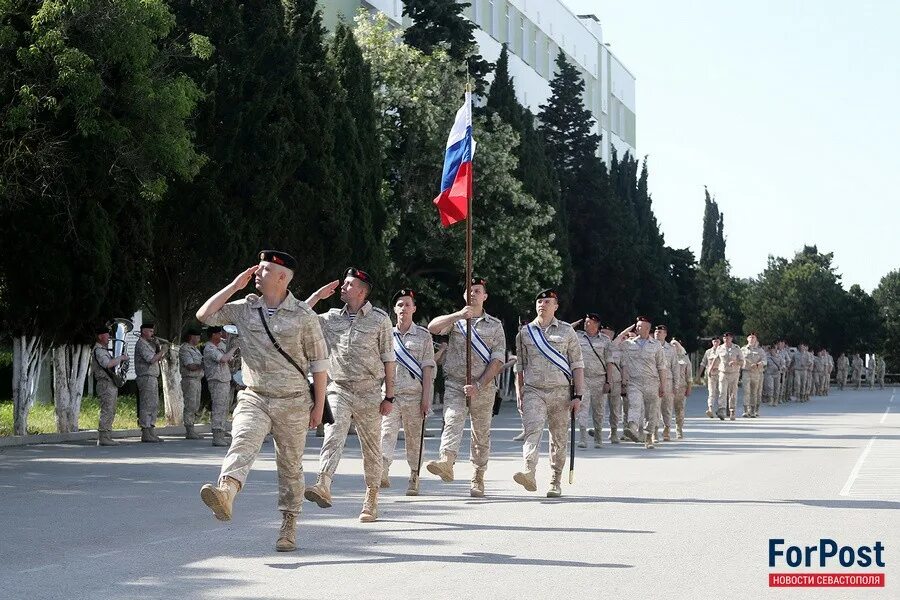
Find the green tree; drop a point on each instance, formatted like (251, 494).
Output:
(684, 307)
(887, 297)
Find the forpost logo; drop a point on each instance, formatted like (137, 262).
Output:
(827, 554)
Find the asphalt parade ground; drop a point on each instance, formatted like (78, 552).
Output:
(688, 519)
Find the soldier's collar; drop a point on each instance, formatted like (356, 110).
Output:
(289, 302)
(363, 310)
(553, 323)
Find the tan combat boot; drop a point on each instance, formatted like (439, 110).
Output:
(148, 436)
(582, 437)
(287, 537)
(190, 434)
(321, 492)
(443, 468)
(220, 498)
(667, 434)
(218, 438)
(680, 430)
(555, 490)
(476, 489)
(526, 480)
(385, 468)
(613, 437)
(413, 488)
(369, 512)
(631, 432)
(520, 437)
(648, 440)
(104, 438)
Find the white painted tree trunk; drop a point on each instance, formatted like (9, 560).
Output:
(70, 368)
(171, 384)
(28, 353)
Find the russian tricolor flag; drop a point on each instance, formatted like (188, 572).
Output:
(456, 182)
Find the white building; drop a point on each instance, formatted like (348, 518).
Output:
(535, 31)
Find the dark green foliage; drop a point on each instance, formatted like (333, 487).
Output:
(887, 298)
(712, 248)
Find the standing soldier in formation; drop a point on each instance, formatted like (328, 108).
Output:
(730, 362)
(360, 340)
(549, 362)
(667, 402)
(413, 387)
(147, 354)
(880, 371)
(857, 366)
(595, 350)
(810, 375)
(216, 361)
(643, 373)
(190, 362)
(277, 398)
(107, 391)
(829, 367)
(802, 365)
(755, 360)
(681, 376)
(476, 400)
(870, 371)
(843, 368)
(770, 376)
(614, 376)
(710, 365)
(820, 370)
(780, 355)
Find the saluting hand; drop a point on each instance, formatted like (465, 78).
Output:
(327, 290)
(243, 280)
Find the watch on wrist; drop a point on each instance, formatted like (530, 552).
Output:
(577, 396)
(389, 399)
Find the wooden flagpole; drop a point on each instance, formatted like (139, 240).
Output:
(469, 251)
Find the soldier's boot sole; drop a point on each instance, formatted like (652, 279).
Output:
(317, 496)
(709, 413)
(435, 468)
(554, 492)
(212, 497)
(631, 435)
(525, 481)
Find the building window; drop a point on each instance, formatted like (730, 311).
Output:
(489, 18)
(534, 46)
(521, 39)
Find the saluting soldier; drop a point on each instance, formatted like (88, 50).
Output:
(276, 398)
(614, 376)
(731, 360)
(710, 365)
(413, 388)
(595, 350)
(107, 392)
(681, 377)
(643, 374)
(216, 359)
(362, 357)
(147, 354)
(190, 360)
(550, 365)
(755, 360)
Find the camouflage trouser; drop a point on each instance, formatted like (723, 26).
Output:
(728, 386)
(667, 404)
(768, 387)
(800, 384)
(857, 378)
(614, 399)
(752, 390)
(842, 377)
(359, 401)
(778, 387)
(220, 399)
(190, 389)
(788, 385)
(593, 404)
(407, 411)
(288, 420)
(108, 393)
(644, 403)
(148, 400)
(678, 405)
(712, 385)
(540, 407)
(810, 379)
(480, 411)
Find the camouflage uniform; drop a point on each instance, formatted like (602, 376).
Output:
(616, 406)
(147, 382)
(276, 399)
(788, 387)
(190, 381)
(408, 403)
(829, 368)
(681, 376)
(755, 361)
(107, 391)
(818, 374)
(481, 406)
(729, 374)
(810, 377)
(595, 351)
(218, 378)
(880, 371)
(711, 366)
(546, 394)
(857, 367)
(770, 378)
(359, 347)
(843, 367)
(667, 402)
(802, 364)
(644, 361)
(870, 371)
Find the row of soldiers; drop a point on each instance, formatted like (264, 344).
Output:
(854, 369)
(213, 362)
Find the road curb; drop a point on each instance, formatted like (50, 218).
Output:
(91, 435)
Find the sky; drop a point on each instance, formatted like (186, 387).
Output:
(789, 111)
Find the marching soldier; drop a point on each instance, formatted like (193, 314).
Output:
(843, 368)
(802, 366)
(281, 341)
(755, 361)
(147, 354)
(475, 400)
(711, 365)
(413, 387)
(809, 373)
(644, 370)
(770, 375)
(789, 354)
(549, 362)
(190, 361)
(595, 350)
(730, 363)
(857, 367)
(216, 359)
(667, 402)
(880, 371)
(362, 358)
(818, 373)
(107, 391)
(778, 357)
(681, 376)
(870, 371)
(829, 367)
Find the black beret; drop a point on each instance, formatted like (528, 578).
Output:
(361, 275)
(548, 293)
(192, 331)
(608, 327)
(401, 293)
(727, 334)
(279, 258)
(642, 318)
(101, 329)
(214, 329)
(147, 326)
(479, 281)
(593, 317)
(661, 328)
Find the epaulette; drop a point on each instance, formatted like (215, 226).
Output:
(380, 311)
(425, 329)
(251, 297)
